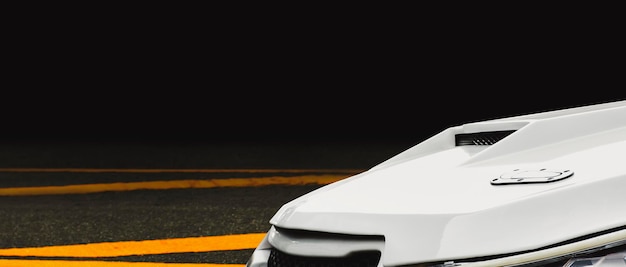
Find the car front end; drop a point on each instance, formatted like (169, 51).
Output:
(545, 189)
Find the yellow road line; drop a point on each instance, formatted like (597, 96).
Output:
(176, 184)
(144, 247)
(92, 170)
(64, 263)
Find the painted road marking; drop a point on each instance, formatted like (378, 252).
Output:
(64, 263)
(144, 247)
(176, 184)
(88, 170)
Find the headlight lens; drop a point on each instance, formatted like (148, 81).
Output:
(607, 250)
(617, 259)
(606, 256)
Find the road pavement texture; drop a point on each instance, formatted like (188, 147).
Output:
(126, 204)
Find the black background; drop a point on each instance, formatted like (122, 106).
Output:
(354, 85)
(209, 79)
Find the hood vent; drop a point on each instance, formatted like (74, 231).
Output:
(480, 138)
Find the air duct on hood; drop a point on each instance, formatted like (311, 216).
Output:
(480, 138)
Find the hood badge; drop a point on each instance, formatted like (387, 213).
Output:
(530, 176)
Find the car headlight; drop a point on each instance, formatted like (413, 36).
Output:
(604, 250)
(617, 259)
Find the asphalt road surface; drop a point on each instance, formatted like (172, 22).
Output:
(130, 204)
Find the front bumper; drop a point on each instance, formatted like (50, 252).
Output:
(283, 247)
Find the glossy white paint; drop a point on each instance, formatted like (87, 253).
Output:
(435, 201)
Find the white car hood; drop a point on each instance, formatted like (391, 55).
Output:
(436, 201)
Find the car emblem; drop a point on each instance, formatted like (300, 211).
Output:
(528, 176)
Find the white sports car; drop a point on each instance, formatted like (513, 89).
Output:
(545, 189)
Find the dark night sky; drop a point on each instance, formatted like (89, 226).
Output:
(322, 100)
(270, 83)
(295, 115)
